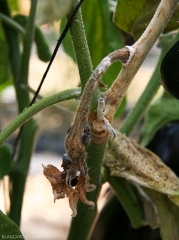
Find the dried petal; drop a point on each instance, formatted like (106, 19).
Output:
(62, 188)
(81, 188)
(73, 200)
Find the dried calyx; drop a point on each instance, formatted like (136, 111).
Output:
(74, 188)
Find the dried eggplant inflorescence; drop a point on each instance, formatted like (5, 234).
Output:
(74, 191)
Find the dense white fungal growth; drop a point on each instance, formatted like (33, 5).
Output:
(132, 52)
(105, 63)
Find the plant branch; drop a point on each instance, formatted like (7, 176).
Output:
(117, 91)
(9, 21)
(127, 198)
(127, 128)
(80, 46)
(135, 115)
(37, 107)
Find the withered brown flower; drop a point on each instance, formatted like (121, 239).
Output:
(74, 191)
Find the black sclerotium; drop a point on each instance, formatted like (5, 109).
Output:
(66, 161)
(70, 127)
(86, 138)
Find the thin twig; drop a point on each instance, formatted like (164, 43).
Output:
(62, 109)
(37, 107)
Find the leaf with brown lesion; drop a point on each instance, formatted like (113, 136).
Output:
(62, 189)
(125, 158)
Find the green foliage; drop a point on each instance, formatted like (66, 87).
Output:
(5, 84)
(127, 197)
(43, 49)
(5, 160)
(14, 5)
(134, 16)
(121, 108)
(4, 50)
(168, 215)
(168, 107)
(8, 229)
(102, 35)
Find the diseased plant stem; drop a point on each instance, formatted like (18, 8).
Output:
(149, 92)
(95, 152)
(80, 46)
(142, 47)
(128, 126)
(112, 97)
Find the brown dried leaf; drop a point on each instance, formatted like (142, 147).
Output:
(125, 158)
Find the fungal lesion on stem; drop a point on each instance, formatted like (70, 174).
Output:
(102, 124)
(73, 180)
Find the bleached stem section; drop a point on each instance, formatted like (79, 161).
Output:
(139, 51)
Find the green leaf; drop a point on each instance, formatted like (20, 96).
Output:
(8, 229)
(14, 4)
(102, 35)
(133, 16)
(173, 23)
(163, 111)
(4, 57)
(121, 108)
(5, 160)
(6, 84)
(168, 214)
(43, 49)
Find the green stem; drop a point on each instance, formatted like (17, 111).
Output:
(127, 198)
(18, 174)
(13, 24)
(146, 97)
(37, 107)
(81, 225)
(14, 51)
(95, 152)
(81, 47)
(27, 43)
